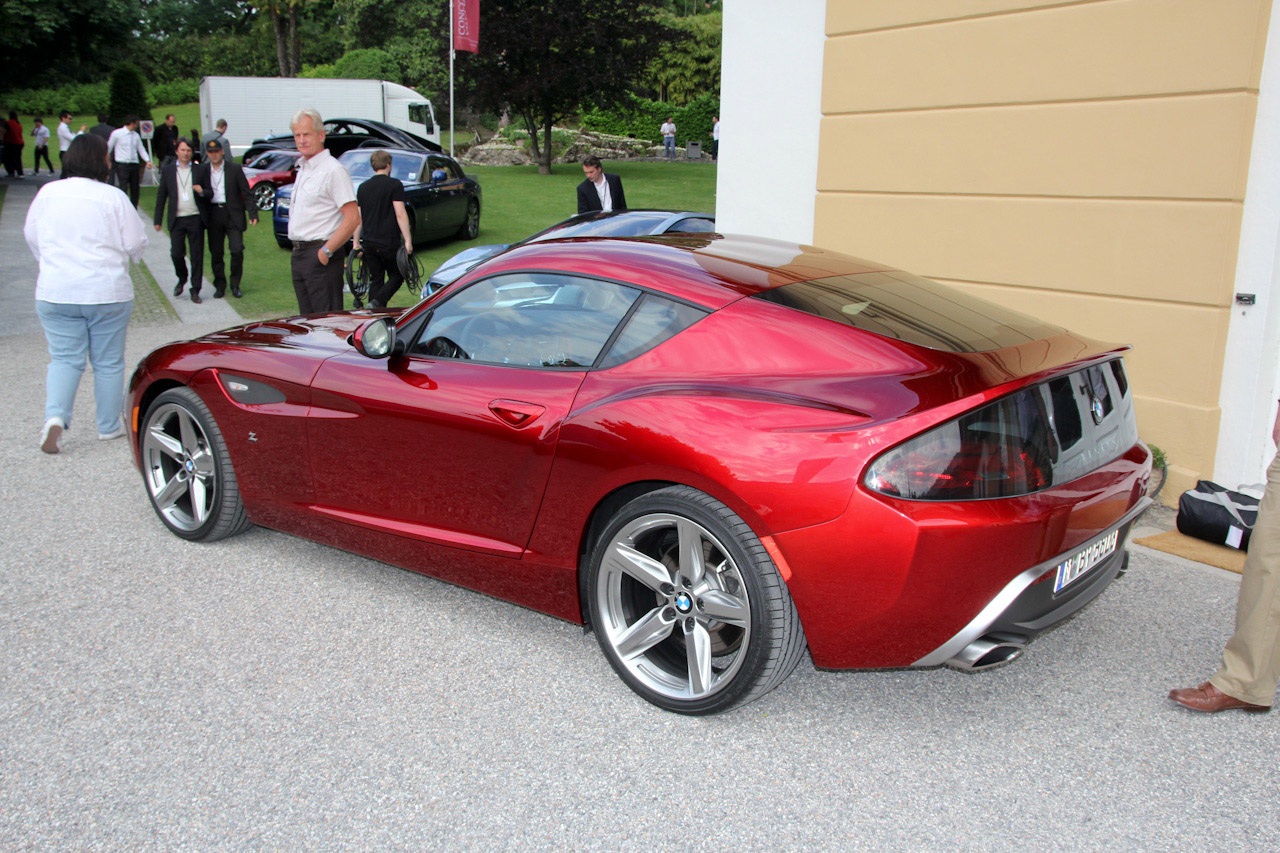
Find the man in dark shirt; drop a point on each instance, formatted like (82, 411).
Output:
(166, 139)
(102, 128)
(384, 227)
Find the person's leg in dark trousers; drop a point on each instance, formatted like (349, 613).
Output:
(218, 227)
(189, 230)
(333, 274)
(235, 241)
(318, 286)
(380, 294)
(178, 251)
(298, 269)
(42, 152)
(129, 180)
(374, 262)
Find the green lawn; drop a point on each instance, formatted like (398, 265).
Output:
(517, 202)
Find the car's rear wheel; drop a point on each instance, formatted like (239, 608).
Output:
(687, 605)
(264, 195)
(187, 470)
(471, 225)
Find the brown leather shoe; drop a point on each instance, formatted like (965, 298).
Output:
(1210, 700)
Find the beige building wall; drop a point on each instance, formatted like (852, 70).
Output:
(1080, 161)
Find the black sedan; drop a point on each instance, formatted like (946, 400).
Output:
(441, 200)
(617, 223)
(346, 134)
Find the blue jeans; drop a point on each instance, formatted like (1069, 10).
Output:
(670, 143)
(72, 331)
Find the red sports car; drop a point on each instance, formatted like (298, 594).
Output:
(715, 451)
(268, 172)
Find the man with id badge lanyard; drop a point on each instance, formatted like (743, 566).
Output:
(176, 188)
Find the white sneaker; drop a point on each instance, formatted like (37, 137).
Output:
(51, 438)
(118, 432)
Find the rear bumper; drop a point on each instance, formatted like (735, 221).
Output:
(1028, 605)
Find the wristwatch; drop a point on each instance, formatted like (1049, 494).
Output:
(326, 251)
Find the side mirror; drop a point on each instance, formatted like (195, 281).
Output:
(376, 338)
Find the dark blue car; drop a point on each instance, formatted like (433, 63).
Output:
(441, 200)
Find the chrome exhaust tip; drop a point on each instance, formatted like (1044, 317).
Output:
(989, 652)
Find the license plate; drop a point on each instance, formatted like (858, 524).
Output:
(1072, 568)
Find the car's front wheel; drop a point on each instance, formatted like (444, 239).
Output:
(187, 470)
(687, 605)
(264, 195)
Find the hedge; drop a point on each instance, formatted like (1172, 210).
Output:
(94, 98)
(643, 119)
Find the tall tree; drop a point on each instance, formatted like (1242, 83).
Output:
(165, 18)
(545, 58)
(64, 39)
(690, 66)
(284, 23)
(414, 32)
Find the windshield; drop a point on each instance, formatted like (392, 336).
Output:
(404, 166)
(271, 161)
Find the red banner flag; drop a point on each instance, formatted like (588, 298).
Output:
(466, 25)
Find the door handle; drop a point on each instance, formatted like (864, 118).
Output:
(515, 412)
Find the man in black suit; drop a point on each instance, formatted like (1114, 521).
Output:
(177, 187)
(102, 128)
(599, 191)
(223, 194)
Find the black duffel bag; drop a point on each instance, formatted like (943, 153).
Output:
(1216, 514)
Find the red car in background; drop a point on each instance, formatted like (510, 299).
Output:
(269, 171)
(717, 452)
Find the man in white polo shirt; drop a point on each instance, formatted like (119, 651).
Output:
(322, 217)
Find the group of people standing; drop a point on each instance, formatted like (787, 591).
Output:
(210, 199)
(14, 142)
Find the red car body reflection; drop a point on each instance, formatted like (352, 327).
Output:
(511, 479)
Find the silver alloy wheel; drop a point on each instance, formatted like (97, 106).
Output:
(179, 467)
(264, 195)
(675, 609)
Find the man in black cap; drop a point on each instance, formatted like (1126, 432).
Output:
(225, 204)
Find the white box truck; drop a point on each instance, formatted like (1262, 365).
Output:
(260, 106)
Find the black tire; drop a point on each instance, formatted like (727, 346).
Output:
(644, 598)
(284, 244)
(187, 470)
(471, 225)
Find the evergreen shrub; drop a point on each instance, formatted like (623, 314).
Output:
(128, 94)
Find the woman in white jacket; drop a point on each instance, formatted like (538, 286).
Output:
(84, 233)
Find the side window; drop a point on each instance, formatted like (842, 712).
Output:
(527, 319)
(693, 225)
(440, 164)
(655, 320)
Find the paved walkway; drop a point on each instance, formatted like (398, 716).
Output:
(153, 302)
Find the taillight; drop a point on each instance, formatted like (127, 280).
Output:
(998, 451)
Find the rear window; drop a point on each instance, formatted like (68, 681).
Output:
(916, 310)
